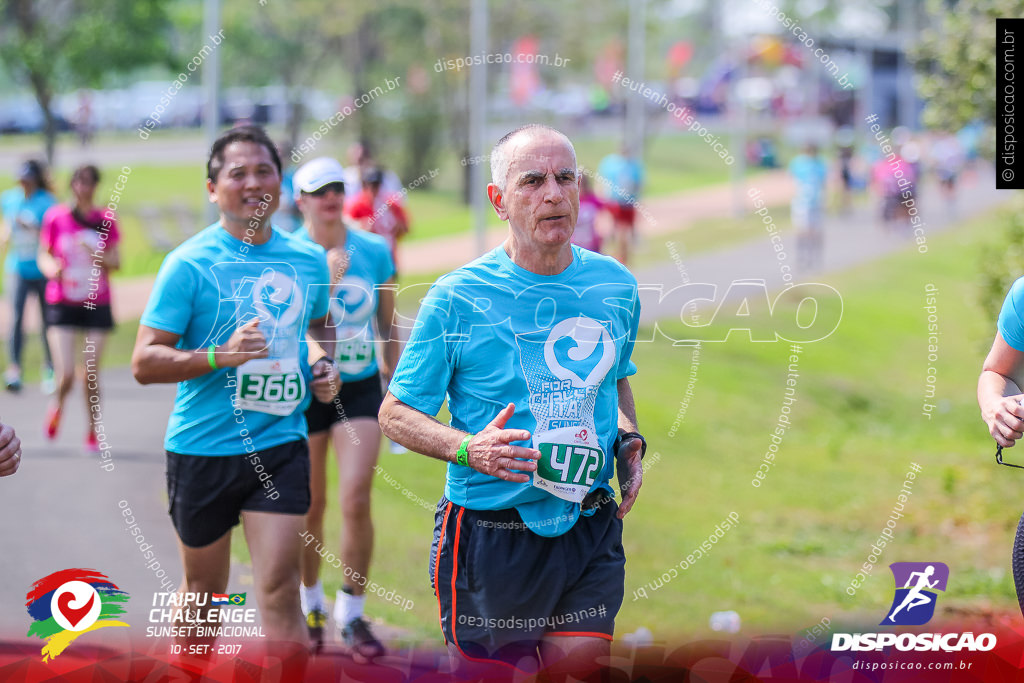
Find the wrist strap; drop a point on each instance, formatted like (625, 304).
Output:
(210, 358)
(631, 435)
(462, 456)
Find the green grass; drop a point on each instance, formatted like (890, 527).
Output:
(858, 425)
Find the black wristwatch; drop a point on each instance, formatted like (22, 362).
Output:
(326, 358)
(625, 437)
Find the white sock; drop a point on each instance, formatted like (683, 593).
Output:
(348, 607)
(312, 597)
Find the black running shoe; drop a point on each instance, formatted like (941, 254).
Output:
(360, 640)
(316, 621)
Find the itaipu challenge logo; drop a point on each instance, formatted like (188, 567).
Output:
(71, 603)
(914, 602)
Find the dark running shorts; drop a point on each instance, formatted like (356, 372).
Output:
(68, 315)
(206, 493)
(500, 587)
(361, 398)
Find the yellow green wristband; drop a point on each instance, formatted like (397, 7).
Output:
(210, 358)
(462, 457)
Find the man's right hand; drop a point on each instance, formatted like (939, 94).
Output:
(491, 451)
(245, 344)
(10, 450)
(1004, 420)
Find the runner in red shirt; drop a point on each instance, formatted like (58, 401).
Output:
(379, 211)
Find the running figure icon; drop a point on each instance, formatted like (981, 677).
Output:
(916, 597)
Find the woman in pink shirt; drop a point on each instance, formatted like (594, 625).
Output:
(78, 248)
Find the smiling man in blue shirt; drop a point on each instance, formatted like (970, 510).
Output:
(227, 321)
(531, 344)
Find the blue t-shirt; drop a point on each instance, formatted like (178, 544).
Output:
(25, 216)
(354, 304)
(810, 174)
(1011, 317)
(206, 288)
(620, 178)
(491, 333)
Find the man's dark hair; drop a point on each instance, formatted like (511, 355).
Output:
(241, 134)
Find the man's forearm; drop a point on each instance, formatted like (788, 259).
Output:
(418, 431)
(627, 409)
(993, 386)
(158, 364)
(323, 334)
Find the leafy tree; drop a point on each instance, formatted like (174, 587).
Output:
(50, 44)
(957, 59)
(958, 64)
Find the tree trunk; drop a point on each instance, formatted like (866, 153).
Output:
(294, 118)
(41, 90)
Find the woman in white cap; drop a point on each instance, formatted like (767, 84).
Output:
(362, 299)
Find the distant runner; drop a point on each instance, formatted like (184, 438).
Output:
(362, 306)
(23, 210)
(808, 205)
(78, 251)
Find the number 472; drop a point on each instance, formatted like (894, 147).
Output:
(588, 458)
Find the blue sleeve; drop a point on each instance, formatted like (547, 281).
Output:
(1011, 320)
(429, 357)
(46, 201)
(626, 366)
(170, 303)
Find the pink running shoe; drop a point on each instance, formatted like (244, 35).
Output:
(52, 422)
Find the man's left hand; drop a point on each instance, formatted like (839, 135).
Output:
(631, 473)
(326, 380)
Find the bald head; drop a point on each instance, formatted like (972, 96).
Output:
(505, 149)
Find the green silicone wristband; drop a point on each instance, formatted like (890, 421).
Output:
(209, 356)
(462, 457)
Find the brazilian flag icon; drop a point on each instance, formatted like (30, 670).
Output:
(237, 598)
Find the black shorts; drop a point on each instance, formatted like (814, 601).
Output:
(361, 398)
(500, 587)
(206, 493)
(73, 315)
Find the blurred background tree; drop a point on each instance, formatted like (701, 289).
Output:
(52, 44)
(957, 61)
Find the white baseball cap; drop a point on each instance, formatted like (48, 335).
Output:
(314, 174)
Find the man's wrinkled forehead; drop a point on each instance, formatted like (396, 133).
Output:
(542, 151)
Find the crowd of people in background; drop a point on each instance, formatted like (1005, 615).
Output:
(889, 168)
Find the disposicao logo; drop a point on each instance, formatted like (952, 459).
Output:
(913, 604)
(70, 603)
